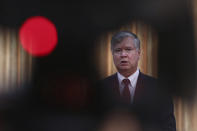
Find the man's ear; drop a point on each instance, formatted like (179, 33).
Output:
(112, 52)
(139, 52)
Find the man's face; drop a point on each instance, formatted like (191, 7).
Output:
(126, 56)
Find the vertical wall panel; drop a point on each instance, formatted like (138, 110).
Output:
(15, 63)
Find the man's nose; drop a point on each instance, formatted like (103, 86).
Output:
(123, 53)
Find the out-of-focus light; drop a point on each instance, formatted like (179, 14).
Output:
(38, 36)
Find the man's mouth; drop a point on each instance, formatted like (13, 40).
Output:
(124, 62)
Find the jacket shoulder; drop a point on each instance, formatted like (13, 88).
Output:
(146, 79)
(108, 81)
(110, 78)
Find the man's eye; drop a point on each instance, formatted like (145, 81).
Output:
(128, 49)
(118, 50)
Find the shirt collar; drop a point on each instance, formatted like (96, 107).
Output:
(132, 78)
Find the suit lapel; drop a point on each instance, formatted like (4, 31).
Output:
(115, 86)
(138, 95)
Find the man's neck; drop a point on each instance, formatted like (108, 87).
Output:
(127, 73)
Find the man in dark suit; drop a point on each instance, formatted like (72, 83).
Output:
(135, 90)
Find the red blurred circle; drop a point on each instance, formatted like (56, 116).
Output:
(38, 36)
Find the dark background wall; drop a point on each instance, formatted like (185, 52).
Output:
(79, 23)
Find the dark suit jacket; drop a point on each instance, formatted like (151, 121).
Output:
(153, 106)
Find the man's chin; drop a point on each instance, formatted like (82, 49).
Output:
(124, 68)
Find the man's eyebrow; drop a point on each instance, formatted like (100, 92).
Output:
(118, 48)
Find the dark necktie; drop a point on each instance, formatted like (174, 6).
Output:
(126, 93)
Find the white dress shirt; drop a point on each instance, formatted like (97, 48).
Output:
(133, 82)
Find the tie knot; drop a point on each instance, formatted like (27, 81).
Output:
(126, 82)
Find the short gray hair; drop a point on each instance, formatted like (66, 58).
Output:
(118, 37)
